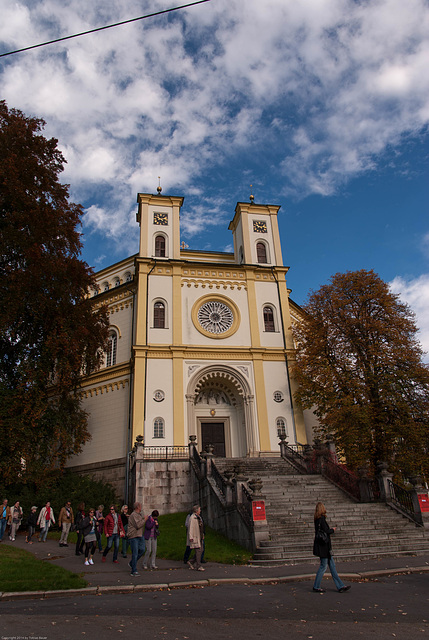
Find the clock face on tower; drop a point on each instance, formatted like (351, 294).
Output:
(260, 226)
(160, 218)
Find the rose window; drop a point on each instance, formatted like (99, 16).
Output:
(215, 317)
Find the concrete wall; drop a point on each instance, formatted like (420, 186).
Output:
(112, 471)
(163, 485)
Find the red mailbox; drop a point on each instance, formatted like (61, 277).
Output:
(258, 510)
(423, 502)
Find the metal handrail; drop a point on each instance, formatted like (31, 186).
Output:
(341, 477)
(294, 455)
(403, 500)
(165, 453)
(218, 478)
(245, 506)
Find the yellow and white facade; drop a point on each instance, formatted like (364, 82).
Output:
(201, 342)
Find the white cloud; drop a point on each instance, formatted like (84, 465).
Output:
(415, 292)
(340, 80)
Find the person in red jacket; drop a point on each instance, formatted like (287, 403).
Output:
(114, 531)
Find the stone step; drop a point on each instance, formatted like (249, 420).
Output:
(364, 531)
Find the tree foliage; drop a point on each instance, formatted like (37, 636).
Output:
(359, 366)
(49, 332)
(59, 487)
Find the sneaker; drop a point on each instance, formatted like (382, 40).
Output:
(191, 566)
(154, 567)
(145, 567)
(65, 544)
(318, 590)
(200, 569)
(86, 563)
(136, 573)
(103, 559)
(345, 588)
(91, 561)
(116, 561)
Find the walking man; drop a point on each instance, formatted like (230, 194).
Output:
(65, 521)
(114, 531)
(136, 524)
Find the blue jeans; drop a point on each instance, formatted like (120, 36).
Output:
(137, 549)
(113, 539)
(2, 527)
(44, 532)
(324, 562)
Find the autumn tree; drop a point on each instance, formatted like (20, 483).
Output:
(359, 367)
(49, 332)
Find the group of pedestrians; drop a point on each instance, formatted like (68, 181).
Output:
(13, 517)
(140, 533)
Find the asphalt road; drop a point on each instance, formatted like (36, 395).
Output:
(396, 607)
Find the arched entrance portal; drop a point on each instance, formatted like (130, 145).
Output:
(221, 412)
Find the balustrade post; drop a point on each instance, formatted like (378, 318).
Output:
(229, 487)
(192, 444)
(383, 477)
(364, 485)
(419, 495)
(319, 451)
(283, 445)
(208, 456)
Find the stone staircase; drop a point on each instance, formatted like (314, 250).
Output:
(364, 530)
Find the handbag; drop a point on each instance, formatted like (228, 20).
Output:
(321, 536)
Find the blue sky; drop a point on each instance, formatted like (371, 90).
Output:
(322, 105)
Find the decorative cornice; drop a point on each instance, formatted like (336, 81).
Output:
(213, 284)
(104, 388)
(98, 377)
(204, 353)
(119, 298)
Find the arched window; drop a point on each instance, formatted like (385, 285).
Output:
(160, 246)
(105, 286)
(261, 252)
(281, 427)
(117, 282)
(128, 277)
(111, 349)
(158, 428)
(159, 315)
(268, 319)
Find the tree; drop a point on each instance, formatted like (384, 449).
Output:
(49, 331)
(359, 366)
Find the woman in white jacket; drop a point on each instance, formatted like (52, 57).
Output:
(195, 538)
(45, 519)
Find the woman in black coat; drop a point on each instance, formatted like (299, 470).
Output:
(322, 548)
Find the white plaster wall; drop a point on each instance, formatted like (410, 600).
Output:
(122, 320)
(256, 237)
(276, 380)
(159, 376)
(192, 336)
(108, 426)
(160, 287)
(266, 293)
(148, 230)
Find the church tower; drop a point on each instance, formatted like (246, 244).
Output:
(256, 234)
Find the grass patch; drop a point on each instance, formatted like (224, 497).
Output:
(21, 571)
(172, 542)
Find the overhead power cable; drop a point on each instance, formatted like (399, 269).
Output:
(109, 26)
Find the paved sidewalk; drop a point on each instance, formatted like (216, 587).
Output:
(109, 577)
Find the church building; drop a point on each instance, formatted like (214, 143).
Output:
(200, 345)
